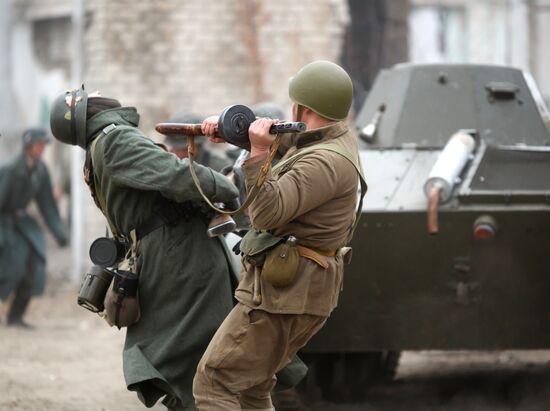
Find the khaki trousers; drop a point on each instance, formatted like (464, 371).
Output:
(237, 371)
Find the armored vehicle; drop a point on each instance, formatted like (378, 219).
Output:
(453, 248)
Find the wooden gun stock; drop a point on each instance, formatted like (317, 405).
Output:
(179, 128)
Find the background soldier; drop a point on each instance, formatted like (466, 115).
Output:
(268, 109)
(184, 276)
(22, 244)
(277, 316)
(177, 144)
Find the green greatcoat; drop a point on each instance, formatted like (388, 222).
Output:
(184, 277)
(20, 234)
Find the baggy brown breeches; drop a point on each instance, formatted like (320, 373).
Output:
(237, 371)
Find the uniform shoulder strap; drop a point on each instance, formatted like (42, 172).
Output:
(91, 178)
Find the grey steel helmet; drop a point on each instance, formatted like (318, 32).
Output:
(268, 109)
(34, 136)
(323, 87)
(68, 117)
(179, 140)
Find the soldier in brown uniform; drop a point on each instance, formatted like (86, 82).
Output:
(310, 195)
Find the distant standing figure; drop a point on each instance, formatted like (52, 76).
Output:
(23, 179)
(177, 144)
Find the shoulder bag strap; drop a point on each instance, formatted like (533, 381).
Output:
(96, 187)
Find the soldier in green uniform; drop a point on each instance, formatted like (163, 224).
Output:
(185, 281)
(307, 208)
(23, 179)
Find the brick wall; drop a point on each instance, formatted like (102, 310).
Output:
(204, 55)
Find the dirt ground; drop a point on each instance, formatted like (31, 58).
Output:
(72, 361)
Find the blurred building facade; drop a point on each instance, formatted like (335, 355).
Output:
(170, 55)
(504, 32)
(164, 56)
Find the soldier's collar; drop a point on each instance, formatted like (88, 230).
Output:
(321, 134)
(118, 115)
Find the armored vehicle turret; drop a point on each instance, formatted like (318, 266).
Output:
(452, 252)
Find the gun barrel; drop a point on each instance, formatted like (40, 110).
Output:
(288, 127)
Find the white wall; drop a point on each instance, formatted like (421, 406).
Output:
(540, 62)
(458, 31)
(508, 32)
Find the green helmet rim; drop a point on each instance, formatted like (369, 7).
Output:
(324, 87)
(68, 121)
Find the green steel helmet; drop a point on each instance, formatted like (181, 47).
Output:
(68, 117)
(268, 109)
(323, 87)
(179, 140)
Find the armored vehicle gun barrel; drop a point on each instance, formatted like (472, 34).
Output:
(368, 132)
(445, 173)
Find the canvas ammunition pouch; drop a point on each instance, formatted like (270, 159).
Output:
(278, 257)
(121, 302)
(255, 245)
(281, 263)
(112, 292)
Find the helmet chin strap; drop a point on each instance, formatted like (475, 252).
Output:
(299, 112)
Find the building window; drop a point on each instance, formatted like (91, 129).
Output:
(52, 42)
(438, 34)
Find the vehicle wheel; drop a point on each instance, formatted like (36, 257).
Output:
(346, 377)
(390, 364)
(318, 378)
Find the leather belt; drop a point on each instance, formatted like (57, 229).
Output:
(148, 226)
(318, 256)
(166, 214)
(326, 253)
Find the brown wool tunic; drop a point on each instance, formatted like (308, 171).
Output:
(313, 199)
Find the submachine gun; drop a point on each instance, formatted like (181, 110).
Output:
(233, 125)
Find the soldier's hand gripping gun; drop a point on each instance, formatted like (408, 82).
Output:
(233, 125)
